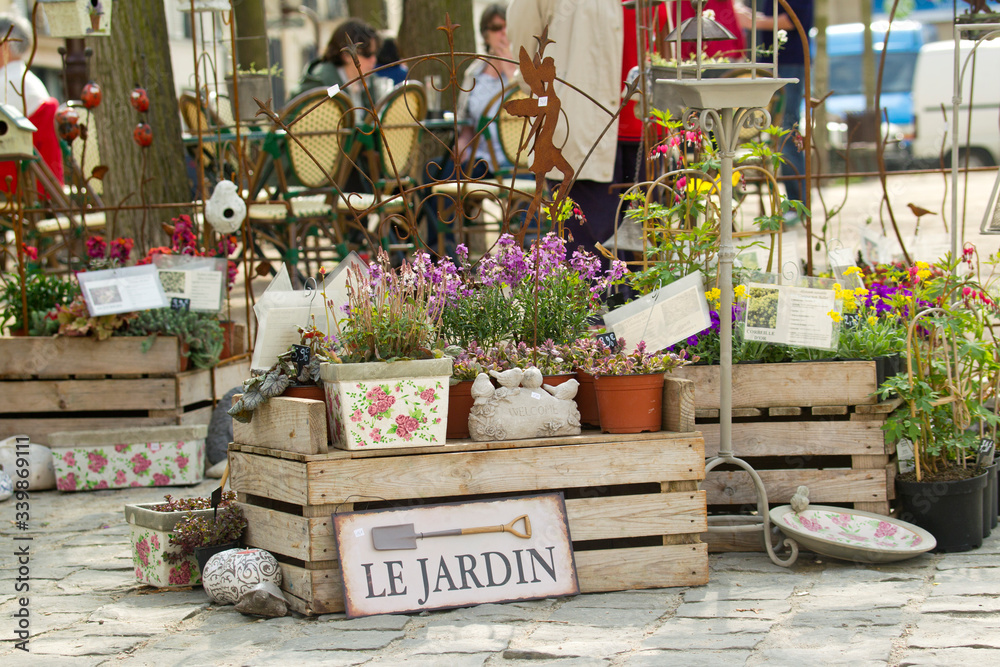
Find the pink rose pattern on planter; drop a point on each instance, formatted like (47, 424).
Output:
(129, 465)
(410, 411)
(150, 568)
(854, 529)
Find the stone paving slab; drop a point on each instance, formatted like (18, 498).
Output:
(950, 657)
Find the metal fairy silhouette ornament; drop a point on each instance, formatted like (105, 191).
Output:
(544, 107)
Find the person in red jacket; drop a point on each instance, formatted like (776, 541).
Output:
(35, 103)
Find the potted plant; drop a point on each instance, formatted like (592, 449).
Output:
(44, 292)
(391, 389)
(157, 561)
(200, 335)
(204, 535)
(629, 386)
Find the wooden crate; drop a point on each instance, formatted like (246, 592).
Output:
(816, 424)
(75, 384)
(635, 512)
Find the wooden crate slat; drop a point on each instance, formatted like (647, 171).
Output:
(62, 357)
(320, 590)
(39, 429)
(829, 410)
(800, 384)
(86, 395)
(678, 405)
(807, 438)
(636, 516)
(199, 416)
(230, 374)
(642, 567)
(292, 424)
(825, 486)
(465, 473)
(290, 535)
(269, 477)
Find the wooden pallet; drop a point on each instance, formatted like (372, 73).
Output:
(635, 512)
(75, 384)
(816, 424)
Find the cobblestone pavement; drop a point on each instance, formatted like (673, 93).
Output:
(86, 609)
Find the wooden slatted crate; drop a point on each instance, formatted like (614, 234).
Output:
(816, 424)
(635, 512)
(77, 384)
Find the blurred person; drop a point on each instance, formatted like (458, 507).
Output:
(389, 55)
(725, 14)
(587, 48)
(336, 67)
(791, 65)
(37, 105)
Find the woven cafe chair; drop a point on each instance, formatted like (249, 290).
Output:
(310, 169)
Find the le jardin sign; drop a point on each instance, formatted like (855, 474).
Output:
(455, 555)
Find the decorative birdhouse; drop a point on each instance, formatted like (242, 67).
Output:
(78, 18)
(15, 133)
(203, 5)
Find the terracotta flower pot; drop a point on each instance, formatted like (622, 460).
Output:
(586, 399)
(459, 403)
(314, 392)
(630, 403)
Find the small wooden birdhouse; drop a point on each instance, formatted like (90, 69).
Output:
(15, 134)
(78, 18)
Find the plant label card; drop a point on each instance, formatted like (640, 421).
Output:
(788, 315)
(664, 317)
(408, 559)
(277, 329)
(122, 290)
(841, 259)
(201, 280)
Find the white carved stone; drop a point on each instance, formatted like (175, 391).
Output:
(41, 468)
(229, 575)
(525, 410)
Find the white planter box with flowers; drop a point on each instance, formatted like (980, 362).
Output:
(385, 405)
(150, 533)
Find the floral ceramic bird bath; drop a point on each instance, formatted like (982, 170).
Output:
(852, 534)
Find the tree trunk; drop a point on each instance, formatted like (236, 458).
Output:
(251, 35)
(138, 53)
(370, 11)
(419, 35)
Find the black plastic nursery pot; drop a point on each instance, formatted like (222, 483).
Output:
(990, 500)
(202, 554)
(952, 511)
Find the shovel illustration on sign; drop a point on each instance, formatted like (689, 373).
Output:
(403, 536)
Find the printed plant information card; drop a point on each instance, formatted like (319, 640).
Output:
(663, 317)
(787, 315)
(122, 290)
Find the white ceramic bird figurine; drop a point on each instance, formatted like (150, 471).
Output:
(225, 209)
(565, 391)
(482, 388)
(800, 501)
(511, 379)
(532, 378)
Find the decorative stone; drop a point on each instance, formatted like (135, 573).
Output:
(522, 407)
(265, 599)
(41, 468)
(6, 486)
(230, 575)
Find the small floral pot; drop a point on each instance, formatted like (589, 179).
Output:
(78, 18)
(128, 457)
(385, 405)
(459, 404)
(630, 403)
(150, 539)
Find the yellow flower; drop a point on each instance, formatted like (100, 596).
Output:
(852, 271)
(876, 298)
(923, 274)
(834, 315)
(872, 320)
(714, 294)
(837, 287)
(923, 265)
(740, 291)
(861, 291)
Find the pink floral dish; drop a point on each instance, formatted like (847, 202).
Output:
(852, 535)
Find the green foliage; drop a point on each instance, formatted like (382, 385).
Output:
(195, 531)
(172, 504)
(485, 315)
(200, 331)
(75, 320)
(44, 293)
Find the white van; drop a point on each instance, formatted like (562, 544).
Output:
(933, 86)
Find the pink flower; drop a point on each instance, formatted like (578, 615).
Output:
(69, 459)
(428, 395)
(885, 529)
(182, 462)
(356, 416)
(142, 551)
(121, 248)
(155, 541)
(31, 252)
(138, 573)
(841, 520)
(134, 484)
(120, 448)
(103, 484)
(140, 463)
(159, 479)
(181, 574)
(376, 435)
(810, 524)
(67, 483)
(97, 462)
(405, 426)
(120, 478)
(97, 248)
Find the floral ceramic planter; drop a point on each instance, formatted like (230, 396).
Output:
(119, 458)
(386, 405)
(150, 539)
(78, 18)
